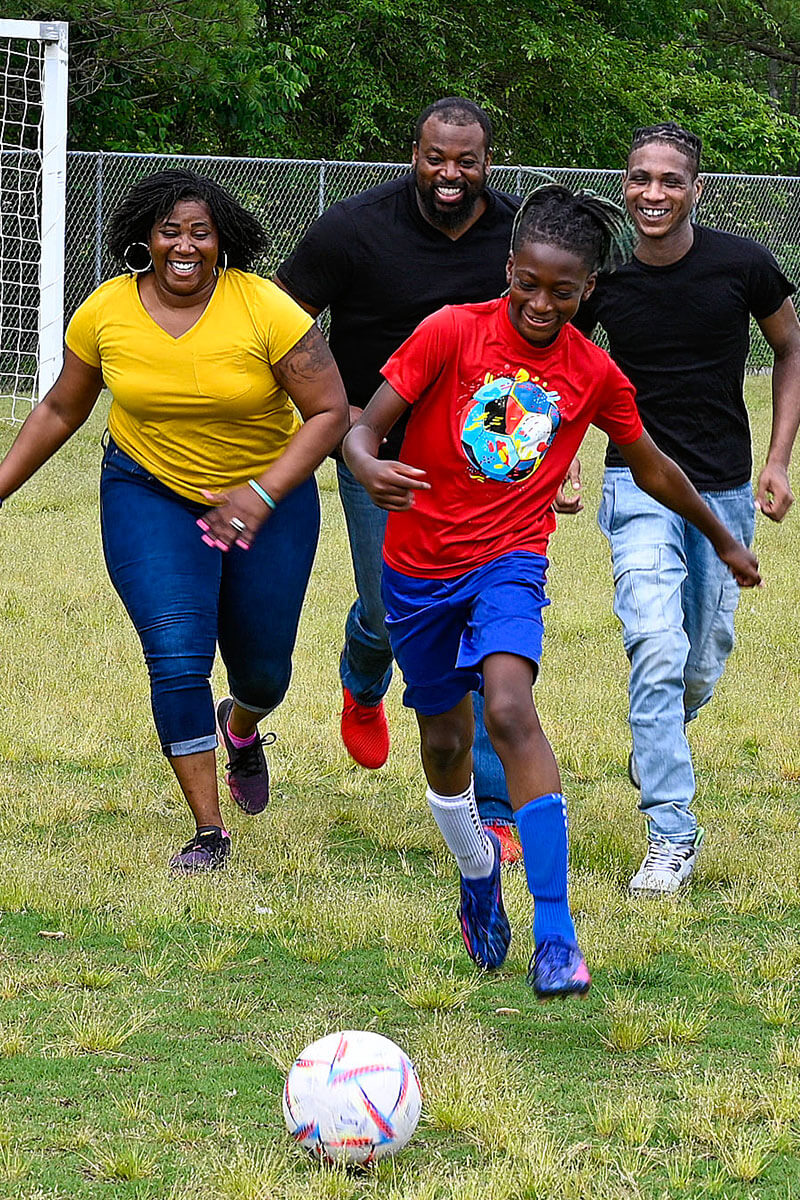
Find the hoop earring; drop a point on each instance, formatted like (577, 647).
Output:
(138, 270)
(224, 265)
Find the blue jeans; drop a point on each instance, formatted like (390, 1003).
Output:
(365, 666)
(676, 602)
(185, 597)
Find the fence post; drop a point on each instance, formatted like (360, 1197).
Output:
(321, 193)
(98, 220)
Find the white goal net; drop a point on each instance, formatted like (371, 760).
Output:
(33, 144)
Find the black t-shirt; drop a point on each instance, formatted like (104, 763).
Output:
(681, 334)
(381, 268)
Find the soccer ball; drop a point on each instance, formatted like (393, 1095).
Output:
(352, 1097)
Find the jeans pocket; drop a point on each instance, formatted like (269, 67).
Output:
(605, 513)
(639, 587)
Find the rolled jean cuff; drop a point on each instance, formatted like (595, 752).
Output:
(192, 746)
(259, 709)
(492, 808)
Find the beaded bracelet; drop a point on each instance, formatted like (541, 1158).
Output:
(265, 496)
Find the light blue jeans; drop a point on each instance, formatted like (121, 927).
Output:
(676, 602)
(365, 666)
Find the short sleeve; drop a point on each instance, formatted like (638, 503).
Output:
(768, 286)
(81, 335)
(283, 321)
(617, 414)
(321, 267)
(417, 364)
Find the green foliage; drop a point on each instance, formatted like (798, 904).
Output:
(564, 80)
(177, 75)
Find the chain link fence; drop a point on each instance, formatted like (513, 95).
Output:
(287, 194)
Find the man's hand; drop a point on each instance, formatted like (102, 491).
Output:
(572, 503)
(743, 565)
(391, 485)
(774, 497)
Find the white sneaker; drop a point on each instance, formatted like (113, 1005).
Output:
(666, 867)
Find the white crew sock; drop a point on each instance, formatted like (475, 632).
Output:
(460, 826)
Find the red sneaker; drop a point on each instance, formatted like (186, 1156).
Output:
(507, 836)
(365, 732)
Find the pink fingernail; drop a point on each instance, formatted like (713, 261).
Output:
(221, 545)
(242, 545)
(208, 541)
(202, 524)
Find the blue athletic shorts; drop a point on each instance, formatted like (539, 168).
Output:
(441, 630)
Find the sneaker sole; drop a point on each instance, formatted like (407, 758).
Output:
(582, 994)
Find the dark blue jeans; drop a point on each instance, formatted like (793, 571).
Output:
(185, 597)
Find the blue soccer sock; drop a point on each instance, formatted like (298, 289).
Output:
(542, 825)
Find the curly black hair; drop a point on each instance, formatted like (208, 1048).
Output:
(585, 224)
(242, 237)
(671, 134)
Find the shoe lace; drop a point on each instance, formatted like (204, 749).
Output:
(557, 951)
(664, 856)
(203, 841)
(246, 760)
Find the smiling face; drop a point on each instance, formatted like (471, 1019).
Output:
(450, 164)
(660, 190)
(184, 247)
(546, 285)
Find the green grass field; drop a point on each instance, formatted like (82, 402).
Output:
(142, 1051)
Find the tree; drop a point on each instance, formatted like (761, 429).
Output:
(176, 75)
(565, 81)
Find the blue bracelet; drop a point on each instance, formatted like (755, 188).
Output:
(265, 496)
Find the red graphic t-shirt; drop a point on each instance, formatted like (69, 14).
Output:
(495, 424)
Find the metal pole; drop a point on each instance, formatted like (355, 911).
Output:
(54, 180)
(98, 220)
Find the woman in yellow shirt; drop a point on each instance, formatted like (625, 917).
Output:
(209, 509)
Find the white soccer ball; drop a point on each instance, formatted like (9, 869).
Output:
(352, 1097)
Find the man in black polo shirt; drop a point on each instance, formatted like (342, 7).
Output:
(381, 262)
(678, 323)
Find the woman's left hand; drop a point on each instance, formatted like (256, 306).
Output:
(235, 518)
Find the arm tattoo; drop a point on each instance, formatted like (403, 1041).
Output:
(305, 361)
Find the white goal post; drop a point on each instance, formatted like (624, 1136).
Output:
(33, 169)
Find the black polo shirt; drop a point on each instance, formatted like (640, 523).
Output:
(381, 267)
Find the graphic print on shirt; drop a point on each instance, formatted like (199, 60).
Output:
(509, 426)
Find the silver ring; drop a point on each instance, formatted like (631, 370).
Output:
(238, 524)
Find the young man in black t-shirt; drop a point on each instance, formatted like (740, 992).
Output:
(677, 318)
(381, 262)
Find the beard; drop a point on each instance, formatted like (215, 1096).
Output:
(452, 215)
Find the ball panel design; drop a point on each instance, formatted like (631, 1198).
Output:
(352, 1096)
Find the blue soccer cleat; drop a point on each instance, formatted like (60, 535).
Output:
(484, 924)
(558, 969)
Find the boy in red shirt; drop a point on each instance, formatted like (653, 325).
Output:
(502, 394)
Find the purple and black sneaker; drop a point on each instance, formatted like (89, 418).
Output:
(246, 771)
(558, 969)
(484, 924)
(207, 851)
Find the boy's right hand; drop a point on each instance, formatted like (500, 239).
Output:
(743, 565)
(391, 485)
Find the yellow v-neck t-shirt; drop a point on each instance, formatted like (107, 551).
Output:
(203, 410)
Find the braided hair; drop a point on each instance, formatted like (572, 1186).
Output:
(242, 237)
(671, 134)
(583, 223)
